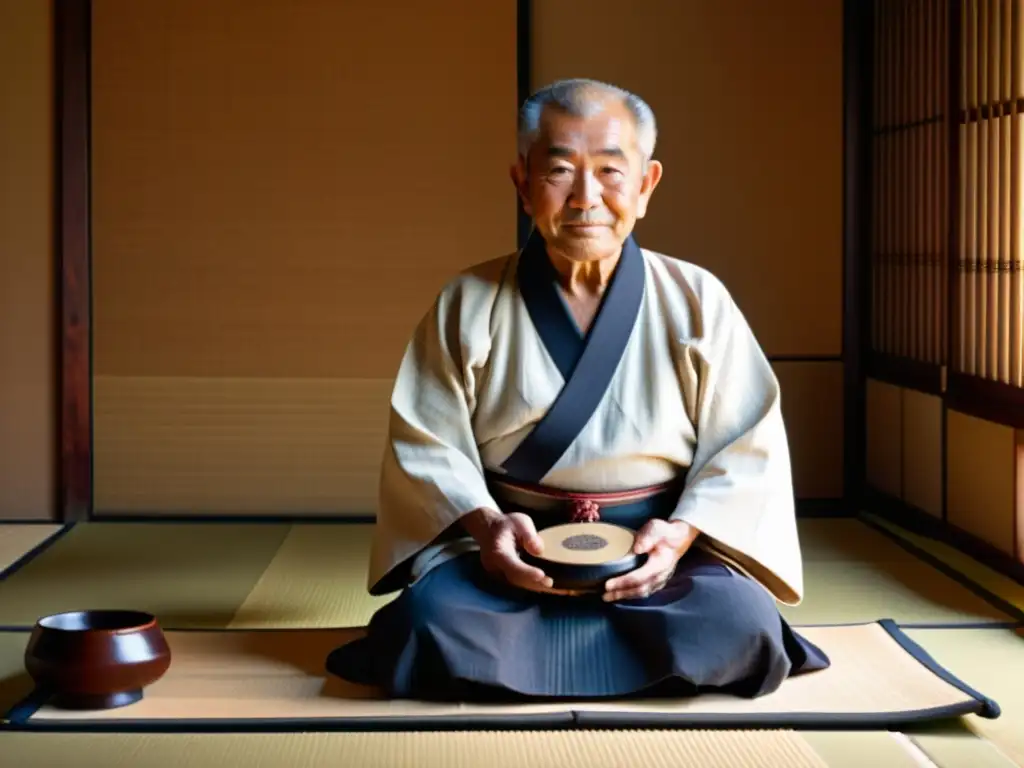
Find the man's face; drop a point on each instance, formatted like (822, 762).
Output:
(585, 182)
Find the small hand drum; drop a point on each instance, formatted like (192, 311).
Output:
(581, 557)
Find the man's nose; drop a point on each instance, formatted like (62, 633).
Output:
(586, 191)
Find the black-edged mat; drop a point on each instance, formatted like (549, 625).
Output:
(274, 681)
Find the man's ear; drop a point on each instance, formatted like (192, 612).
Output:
(647, 185)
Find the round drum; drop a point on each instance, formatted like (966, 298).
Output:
(583, 556)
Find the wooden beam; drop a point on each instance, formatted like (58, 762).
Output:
(907, 373)
(524, 87)
(72, 23)
(986, 399)
(1018, 496)
(995, 108)
(954, 75)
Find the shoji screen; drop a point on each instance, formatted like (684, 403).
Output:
(280, 188)
(988, 291)
(748, 98)
(945, 396)
(910, 175)
(909, 250)
(27, 377)
(986, 359)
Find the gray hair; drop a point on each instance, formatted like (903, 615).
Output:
(577, 97)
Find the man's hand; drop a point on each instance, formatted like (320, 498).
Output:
(500, 537)
(665, 542)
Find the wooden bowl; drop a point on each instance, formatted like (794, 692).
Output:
(96, 659)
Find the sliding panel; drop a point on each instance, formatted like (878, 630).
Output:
(907, 331)
(987, 367)
(980, 476)
(1018, 496)
(909, 179)
(280, 189)
(884, 412)
(922, 451)
(28, 401)
(988, 308)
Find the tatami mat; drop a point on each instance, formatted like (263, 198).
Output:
(317, 579)
(15, 683)
(1006, 588)
(191, 574)
(18, 539)
(993, 661)
(227, 679)
(909, 592)
(853, 573)
(862, 749)
(961, 750)
(602, 749)
(591, 749)
(240, 575)
(311, 575)
(845, 539)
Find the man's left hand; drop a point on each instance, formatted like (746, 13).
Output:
(665, 543)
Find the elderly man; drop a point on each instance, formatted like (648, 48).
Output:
(583, 364)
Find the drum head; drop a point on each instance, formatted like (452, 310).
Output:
(583, 556)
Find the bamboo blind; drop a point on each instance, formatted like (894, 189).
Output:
(988, 289)
(910, 180)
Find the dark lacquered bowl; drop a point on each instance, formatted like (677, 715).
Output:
(96, 659)
(582, 557)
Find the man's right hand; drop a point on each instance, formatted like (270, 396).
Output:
(500, 537)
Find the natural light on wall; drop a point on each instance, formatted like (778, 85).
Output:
(988, 288)
(947, 288)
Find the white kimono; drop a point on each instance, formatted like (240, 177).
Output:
(693, 394)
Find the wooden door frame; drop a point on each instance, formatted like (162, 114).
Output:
(73, 273)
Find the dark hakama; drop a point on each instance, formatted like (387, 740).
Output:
(459, 633)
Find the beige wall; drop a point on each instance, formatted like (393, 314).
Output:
(280, 189)
(27, 404)
(748, 95)
(265, 234)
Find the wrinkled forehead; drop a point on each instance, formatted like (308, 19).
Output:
(604, 126)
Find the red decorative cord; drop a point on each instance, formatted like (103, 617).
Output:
(585, 511)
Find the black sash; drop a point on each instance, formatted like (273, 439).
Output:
(587, 362)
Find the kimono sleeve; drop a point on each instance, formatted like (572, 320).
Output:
(739, 490)
(431, 471)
